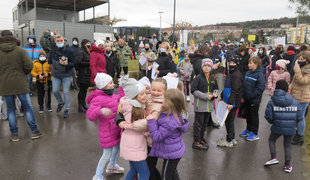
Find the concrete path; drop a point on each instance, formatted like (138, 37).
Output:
(70, 150)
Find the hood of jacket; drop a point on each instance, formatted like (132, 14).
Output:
(32, 37)
(281, 98)
(306, 69)
(117, 44)
(182, 126)
(94, 94)
(127, 107)
(231, 48)
(261, 69)
(46, 34)
(94, 48)
(8, 43)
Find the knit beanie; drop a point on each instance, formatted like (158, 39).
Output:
(75, 38)
(216, 42)
(132, 88)
(42, 53)
(235, 58)
(282, 63)
(207, 61)
(291, 48)
(84, 41)
(98, 42)
(282, 84)
(145, 81)
(102, 80)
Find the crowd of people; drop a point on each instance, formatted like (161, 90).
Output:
(146, 119)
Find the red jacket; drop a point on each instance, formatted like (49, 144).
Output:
(97, 62)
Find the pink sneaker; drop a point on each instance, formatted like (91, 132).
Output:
(116, 169)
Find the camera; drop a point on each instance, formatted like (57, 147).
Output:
(63, 58)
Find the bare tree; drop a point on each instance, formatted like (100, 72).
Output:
(112, 22)
(183, 25)
(302, 6)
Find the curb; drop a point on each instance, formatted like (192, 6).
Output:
(304, 162)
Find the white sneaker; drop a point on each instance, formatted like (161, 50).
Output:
(94, 178)
(234, 141)
(271, 161)
(19, 114)
(3, 116)
(188, 99)
(115, 169)
(224, 143)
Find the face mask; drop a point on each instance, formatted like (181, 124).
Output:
(109, 92)
(108, 52)
(30, 41)
(162, 50)
(232, 68)
(88, 46)
(186, 59)
(74, 43)
(278, 67)
(296, 48)
(42, 58)
(154, 37)
(228, 41)
(100, 47)
(60, 45)
(273, 48)
(260, 52)
(147, 49)
(301, 64)
(269, 49)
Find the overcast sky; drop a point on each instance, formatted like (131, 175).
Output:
(198, 12)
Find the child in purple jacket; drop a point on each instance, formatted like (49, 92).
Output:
(166, 133)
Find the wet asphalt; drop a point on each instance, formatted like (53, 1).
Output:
(70, 150)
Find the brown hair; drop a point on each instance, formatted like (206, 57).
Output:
(137, 113)
(256, 60)
(204, 49)
(243, 48)
(161, 80)
(277, 50)
(175, 103)
(281, 46)
(264, 50)
(303, 47)
(180, 86)
(305, 55)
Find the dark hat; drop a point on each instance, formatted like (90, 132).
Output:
(6, 33)
(282, 84)
(291, 48)
(42, 53)
(75, 38)
(235, 58)
(84, 41)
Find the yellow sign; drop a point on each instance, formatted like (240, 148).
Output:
(251, 37)
(191, 41)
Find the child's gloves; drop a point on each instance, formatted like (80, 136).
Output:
(106, 111)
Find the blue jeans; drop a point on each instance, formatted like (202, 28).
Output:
(140, 167)
(66, 88)
(26, 103)
(29, 77)
(108, 153)
(302, 124)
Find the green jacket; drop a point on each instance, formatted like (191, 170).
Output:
(123, 54)
(47, 42)
(15, 64)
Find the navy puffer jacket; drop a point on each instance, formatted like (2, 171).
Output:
(254, 85)
(283, 112)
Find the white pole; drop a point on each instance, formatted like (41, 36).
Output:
(297, 27)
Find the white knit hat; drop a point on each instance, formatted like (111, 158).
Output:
(98, 42)
(145, 81)
(282, 63)
(102, 80)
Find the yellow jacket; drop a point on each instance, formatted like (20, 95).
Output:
(177, 52)
(39, 68)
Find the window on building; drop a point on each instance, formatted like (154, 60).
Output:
(13, 16)
(64, 17)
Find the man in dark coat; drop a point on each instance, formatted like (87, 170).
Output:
(15, 64)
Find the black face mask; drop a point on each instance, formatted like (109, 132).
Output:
(154, 37)
(301, 64)
(147, 49)
(88, 46)
(232, 68)
(109, 92)
(108, 52)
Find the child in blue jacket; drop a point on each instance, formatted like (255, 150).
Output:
(254, 86)
(283, 112)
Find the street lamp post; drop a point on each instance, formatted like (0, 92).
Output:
(173, 20)
(160, 14)
(297, 28)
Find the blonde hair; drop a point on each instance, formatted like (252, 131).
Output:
(175, 103)
(184, 62)
(161, 80)
(107, 45)
(168, 49)
(181, 86)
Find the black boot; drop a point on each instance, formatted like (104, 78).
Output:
(298, 139)
(212, 124)
(84, 105)
(81, 109)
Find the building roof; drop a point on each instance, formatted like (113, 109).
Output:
(65, 4)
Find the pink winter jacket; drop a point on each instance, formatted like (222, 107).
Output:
(109, 133)
(133, 144)
(276, 76)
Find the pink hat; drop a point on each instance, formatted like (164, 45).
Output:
(282, 63)
(216, 42)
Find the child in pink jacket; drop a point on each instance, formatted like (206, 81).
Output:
(279, 73)
(133, 143)
(103, 106)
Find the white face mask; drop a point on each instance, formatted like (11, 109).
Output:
(42, 58)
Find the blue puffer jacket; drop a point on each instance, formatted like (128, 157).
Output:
(254, 85)
(33, 51)
(283, 112)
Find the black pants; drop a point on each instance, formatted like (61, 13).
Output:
(252, 119)
(149, 74)
(41, 92)
(118, 71)
(200, 125)
(186, 87)
(170, 171)
(83, 92)
(125, 69)
(152, 162)
(286, 143)
(230, 125)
